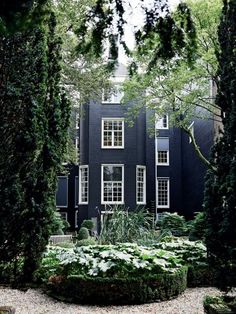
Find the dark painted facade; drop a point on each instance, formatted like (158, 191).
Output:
(175, 186)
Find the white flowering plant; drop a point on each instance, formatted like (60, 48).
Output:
(191, 252)
(117, 261)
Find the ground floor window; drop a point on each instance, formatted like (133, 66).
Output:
(83, 184)
(112, 184)
(141, 185)
(163, 192)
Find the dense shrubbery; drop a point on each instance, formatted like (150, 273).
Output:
(108, 273)
(194, 255)
(197, 227)
(126, 290)
(173, 223)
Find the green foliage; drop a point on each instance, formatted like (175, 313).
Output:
(89, 224)
(83, 234)
(115, 261)
(127, 226)
(174, 223)
(220, 197)
(219, 304)
(34, 119)
(176, 87)
(65, 245)
(86, 242)
(125, 273)
(197, 227)
(118, 290)
(59, 225)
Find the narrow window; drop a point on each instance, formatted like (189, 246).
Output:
(62, 192)
(113, 133)
(77, 149)
(141, 185)
(162, 123)
(83, 184)
(112, 184)
(163, 151)
(163, 193)
(76, 191)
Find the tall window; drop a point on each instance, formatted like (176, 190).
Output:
(62, 192)
(162, 123)
(83, 183)
(77, 149)
(162, 151)
(141, 185)
(163, 192)
(112, 95)
(112, 184)
(112, 133)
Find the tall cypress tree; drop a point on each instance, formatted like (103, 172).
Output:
(34, 120)
(220, 192)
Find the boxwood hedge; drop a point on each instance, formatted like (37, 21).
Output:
(89, 290)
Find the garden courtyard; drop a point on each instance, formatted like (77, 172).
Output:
(35, 302)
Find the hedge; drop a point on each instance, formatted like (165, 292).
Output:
(200, 276)
(78, 289)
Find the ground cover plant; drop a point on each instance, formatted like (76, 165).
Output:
(109, 273)
(194, 255)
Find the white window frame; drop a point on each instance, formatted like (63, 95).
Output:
(64, 206)
(80, 185)
(102, 184)
(159, 122)
(144, 185)
(168, 192)
(168, 153)
(76, 219)
(123, 131)
(77, 117)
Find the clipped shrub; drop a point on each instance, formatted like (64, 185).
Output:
(220, 305)
(112, 274)
(85, 242)
(88, 223)
(174, 223)
(197, 227)
(83, 234)
(79, 289)
(67, 245)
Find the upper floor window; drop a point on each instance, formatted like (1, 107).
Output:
(113, 133)
(163, 193)
(162, 151)
(113, 95)
(83, 184)
(141, 185)
(162, 123)
(112, 184)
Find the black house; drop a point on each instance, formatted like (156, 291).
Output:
(122, 165)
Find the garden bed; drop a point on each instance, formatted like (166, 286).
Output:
(82, 290)
(220, 305)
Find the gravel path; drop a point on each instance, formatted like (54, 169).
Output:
(35, 302)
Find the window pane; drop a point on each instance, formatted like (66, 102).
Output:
(62, 191)
(112, 173)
